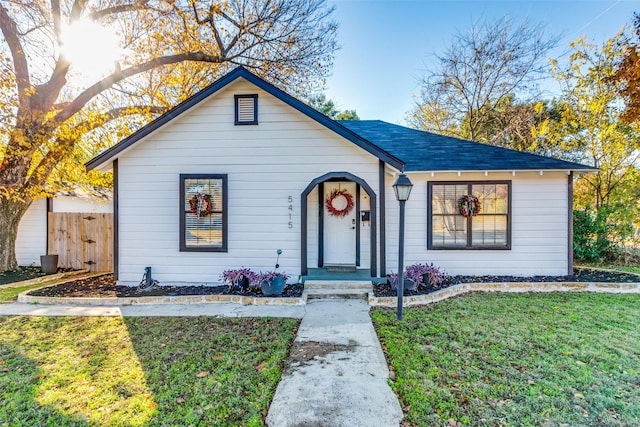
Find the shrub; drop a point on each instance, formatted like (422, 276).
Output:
(416, 272)
(590, 235)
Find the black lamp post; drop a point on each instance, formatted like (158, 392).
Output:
(402, 187)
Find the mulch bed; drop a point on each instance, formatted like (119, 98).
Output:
(105, 286)
(579, 275)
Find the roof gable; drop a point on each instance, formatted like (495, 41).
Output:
(219, 84)
(426, 152)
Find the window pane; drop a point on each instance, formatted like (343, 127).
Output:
(445, 198)
(489, 230)
(203, 212)
(449, 230)
(205, 231)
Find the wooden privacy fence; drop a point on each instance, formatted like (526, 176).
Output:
(82, 240)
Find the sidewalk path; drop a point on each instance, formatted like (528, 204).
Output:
(138, 310)
(337, 374)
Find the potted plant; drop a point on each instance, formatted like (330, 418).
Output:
(417, 275)
(241, 277)
(432, 276)
(271, 282)
(412, 278)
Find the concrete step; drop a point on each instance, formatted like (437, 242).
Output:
(333, 294)
(332, 289)
(338, 284)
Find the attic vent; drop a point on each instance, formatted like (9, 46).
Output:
(246, 109)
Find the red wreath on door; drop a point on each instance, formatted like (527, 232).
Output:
(335, 196)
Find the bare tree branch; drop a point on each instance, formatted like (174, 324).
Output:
(21, 68)
(481, 68)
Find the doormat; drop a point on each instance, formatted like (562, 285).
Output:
(341, 269)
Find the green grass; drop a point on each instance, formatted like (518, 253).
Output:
(627, 268)
(11, 294)
(517, 359)
(98, 371)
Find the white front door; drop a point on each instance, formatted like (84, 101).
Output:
(340, 230)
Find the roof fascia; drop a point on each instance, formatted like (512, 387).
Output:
(584, 169)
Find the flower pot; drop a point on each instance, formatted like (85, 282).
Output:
(273, 288)
(409, 285)
(243, 283)
(49, 264)
(426, 279)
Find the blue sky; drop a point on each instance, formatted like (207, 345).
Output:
(387, 45)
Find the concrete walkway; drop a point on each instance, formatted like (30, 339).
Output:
(337, 374)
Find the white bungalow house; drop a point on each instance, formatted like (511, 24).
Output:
(243, 169)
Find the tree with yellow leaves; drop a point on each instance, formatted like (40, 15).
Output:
(78, 75)
(588, 128)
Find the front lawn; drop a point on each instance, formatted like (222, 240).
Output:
(99, 371)
(517, 359)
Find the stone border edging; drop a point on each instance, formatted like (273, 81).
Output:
(180, 299)
(507, 287)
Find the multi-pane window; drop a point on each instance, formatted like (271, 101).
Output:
(203, 213)
(469, 215)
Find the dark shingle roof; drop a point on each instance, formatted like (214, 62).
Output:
(425, 151)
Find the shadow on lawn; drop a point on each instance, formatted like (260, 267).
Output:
(19, 389)
(104, 371)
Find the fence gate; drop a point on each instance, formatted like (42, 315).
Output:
(82, 240)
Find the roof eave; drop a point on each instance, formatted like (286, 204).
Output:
(577, 169)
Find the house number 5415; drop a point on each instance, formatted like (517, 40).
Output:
(290, 207)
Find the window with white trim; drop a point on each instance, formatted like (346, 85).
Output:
(246, 109)
(469, 215)
(203, 213)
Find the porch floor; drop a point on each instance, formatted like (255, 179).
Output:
(360, 274)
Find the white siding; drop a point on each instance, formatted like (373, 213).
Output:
(539, 227)
(32, 234)
(81, 204)
(265, 164)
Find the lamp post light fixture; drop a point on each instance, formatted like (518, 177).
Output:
(402, 188)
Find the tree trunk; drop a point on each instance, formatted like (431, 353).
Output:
(11, 212)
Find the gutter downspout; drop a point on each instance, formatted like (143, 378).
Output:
(570, 224)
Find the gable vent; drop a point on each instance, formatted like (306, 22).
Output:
(246, 107)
